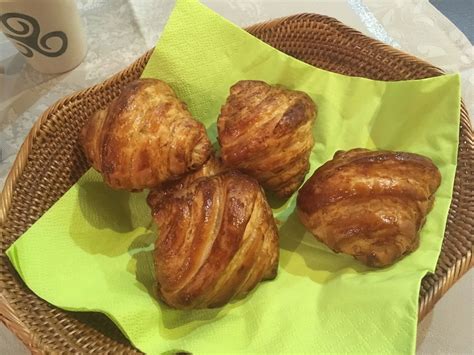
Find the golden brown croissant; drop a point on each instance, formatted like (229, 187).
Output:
(217, 241)
(369, 204)
(265, 131)
(144, 137)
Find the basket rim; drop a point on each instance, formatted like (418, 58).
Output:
(7, 315)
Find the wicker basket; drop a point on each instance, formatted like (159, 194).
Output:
(50, 161)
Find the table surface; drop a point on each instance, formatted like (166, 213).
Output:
(129, 27)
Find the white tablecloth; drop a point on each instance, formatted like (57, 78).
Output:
(119, 31)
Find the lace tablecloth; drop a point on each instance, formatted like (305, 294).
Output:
(119, 31)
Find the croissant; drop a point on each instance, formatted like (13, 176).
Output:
(369, 204)
(217, 241)
(144, 137)
(266, 131)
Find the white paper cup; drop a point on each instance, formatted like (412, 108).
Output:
(49, 33)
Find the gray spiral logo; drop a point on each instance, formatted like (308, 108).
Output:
(25, 31)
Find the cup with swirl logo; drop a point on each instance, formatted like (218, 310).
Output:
(48, 33)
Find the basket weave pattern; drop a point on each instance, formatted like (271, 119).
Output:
(50, 162)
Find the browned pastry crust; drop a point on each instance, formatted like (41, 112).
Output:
(370, 204)
(144, 137)
(211, 167)
(266, 132)
(217, 241)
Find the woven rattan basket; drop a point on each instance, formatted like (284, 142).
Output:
(50, 161)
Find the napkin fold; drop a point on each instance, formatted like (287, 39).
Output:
(92, 251)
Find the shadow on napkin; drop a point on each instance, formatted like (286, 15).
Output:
(298, 246)
(105, 208)
(141, 264)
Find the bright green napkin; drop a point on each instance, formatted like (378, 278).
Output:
(92, 251)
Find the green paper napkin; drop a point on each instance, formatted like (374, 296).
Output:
(92, 251)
